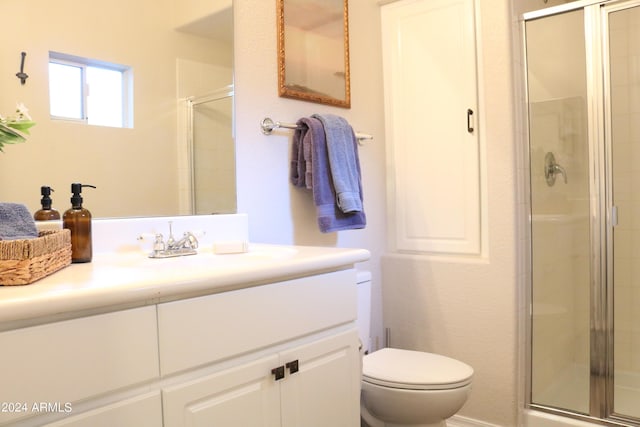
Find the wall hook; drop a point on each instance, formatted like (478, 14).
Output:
(22, 75)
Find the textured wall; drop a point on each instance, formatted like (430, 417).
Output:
(461, 307)
(279, 213)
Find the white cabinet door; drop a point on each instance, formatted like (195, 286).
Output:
(243, 396)
(324, 388)
(430, 84)
(140, 411)
(319, 387)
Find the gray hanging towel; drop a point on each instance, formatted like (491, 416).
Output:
(342, 148)
(330, 217)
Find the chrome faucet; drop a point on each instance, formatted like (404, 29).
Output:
(188, 241)
(187, 245)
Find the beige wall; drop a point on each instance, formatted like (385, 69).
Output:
(186, 12)
(278, 212)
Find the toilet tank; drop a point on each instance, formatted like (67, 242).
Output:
(364, 309)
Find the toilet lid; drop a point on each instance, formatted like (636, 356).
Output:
(414, 370)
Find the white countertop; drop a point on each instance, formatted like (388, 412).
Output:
(128, 279)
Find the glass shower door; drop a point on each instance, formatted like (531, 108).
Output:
(560, 211)
(622, 54)
(583, 86)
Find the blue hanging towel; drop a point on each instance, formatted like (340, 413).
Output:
(342, 148)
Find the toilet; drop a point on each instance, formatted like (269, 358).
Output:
(405, 388)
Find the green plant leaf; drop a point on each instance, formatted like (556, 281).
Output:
(9, 136)
(22, 126)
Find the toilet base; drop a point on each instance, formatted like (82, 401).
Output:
(367, 420)
(391, 407)
(363, 423)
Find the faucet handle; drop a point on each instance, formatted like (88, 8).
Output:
(159, 245)
(190, 240)
(551, 169)
(170, 240)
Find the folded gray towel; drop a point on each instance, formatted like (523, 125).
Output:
(343, 161)
(16, 222)
(301, 172)
(330, 217)
(298, 164)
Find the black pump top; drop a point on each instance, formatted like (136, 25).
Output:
(46, 200)
(76, 198)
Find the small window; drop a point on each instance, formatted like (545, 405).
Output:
(90, 91)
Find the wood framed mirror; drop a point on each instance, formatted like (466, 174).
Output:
(313, 51)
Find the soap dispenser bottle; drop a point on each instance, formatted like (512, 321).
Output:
(78, 220)
(46, 213)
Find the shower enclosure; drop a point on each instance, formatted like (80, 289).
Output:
(212, 153)
(583, 93)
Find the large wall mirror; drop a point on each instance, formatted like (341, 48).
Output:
(181, 56)
(313, 51)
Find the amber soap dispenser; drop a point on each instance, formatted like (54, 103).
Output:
(78, 220)
(46, 213)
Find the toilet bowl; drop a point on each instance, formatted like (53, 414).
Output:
(405, 388)
(412, 388)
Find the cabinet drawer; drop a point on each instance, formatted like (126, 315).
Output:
(77, 359)
(202, 330)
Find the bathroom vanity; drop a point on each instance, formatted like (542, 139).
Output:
(262, 338)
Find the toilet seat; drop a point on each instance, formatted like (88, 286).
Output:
(414, 370)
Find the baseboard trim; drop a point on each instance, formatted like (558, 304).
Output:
(459, 421)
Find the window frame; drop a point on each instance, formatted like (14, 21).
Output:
(84, 64)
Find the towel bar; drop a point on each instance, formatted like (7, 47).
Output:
(267, 125)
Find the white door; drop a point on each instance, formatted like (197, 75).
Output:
(431, 116)
(243, 396)
(322, 383)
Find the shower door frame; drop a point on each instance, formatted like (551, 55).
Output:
(599, 135)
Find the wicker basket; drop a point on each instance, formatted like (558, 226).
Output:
(26, 260)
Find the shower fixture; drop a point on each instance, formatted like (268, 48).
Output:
(551, 169)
